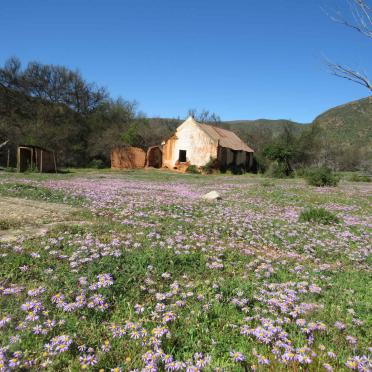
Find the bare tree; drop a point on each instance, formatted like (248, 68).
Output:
(205, 116)
(3, 144)
(348, 73)
(361, 21)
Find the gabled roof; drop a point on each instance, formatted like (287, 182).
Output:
(226, 138)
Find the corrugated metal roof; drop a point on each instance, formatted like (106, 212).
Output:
(226, 138)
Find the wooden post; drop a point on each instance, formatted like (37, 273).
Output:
(55, 164)
(41, 161)
(18, 159)
(32, 158)
(8, 159)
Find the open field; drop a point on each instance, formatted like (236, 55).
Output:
(133, 271)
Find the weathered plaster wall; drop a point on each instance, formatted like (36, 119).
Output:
(199, 147)
(127, 157)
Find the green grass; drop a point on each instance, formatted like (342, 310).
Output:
(263, 253)
(318, 215)
(28, 191)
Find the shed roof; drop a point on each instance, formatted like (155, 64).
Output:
(226, 138)
(35, 147)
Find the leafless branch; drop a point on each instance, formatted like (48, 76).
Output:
(348, 73)
(361, 21)
(4, 143)
(362, 17)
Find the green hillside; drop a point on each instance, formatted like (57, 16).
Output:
(260, 133)
(340, 138)
(276, 126)
(349, 124)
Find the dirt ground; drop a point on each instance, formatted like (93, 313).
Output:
(28, 218)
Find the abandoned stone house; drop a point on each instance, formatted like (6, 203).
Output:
(193, 143)
(196, 143)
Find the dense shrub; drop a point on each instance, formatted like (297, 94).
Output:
(11, 169)
(210, 166)
(237, 169)
(321, 177)
(192, 169)
(259, 164)
(97, 164)
(300, 172)
(233, 169)
(277, 170)
(355, 177)
(318, 215)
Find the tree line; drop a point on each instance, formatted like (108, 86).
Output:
(56, 108)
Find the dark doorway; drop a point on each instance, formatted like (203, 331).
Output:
(25, 159)
(182, 156)
(154, 157)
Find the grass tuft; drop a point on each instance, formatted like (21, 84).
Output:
(318, 215)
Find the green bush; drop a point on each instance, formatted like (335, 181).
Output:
(277, 170)
(355, 177)
(321, 177)
(192, 169)
(318, 215)
(237, 169)
(210, 166)
(260, 164)
(300, 172)
(267, 183)
(97, 164)
(10, 169)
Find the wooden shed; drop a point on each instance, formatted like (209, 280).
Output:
(35, 158)
(127, 158)
(5, 153)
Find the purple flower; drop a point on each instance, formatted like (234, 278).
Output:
(59, 344)
(237, 356)
(339, 325)
(351, 340)
(87, 360)
(3, 321)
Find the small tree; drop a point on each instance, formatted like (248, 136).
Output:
(282, 155)
(132, 136)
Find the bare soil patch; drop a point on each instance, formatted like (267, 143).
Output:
(29, 218)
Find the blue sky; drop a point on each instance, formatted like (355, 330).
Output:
(243, 59)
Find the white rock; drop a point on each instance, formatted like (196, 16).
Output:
(213, 195)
